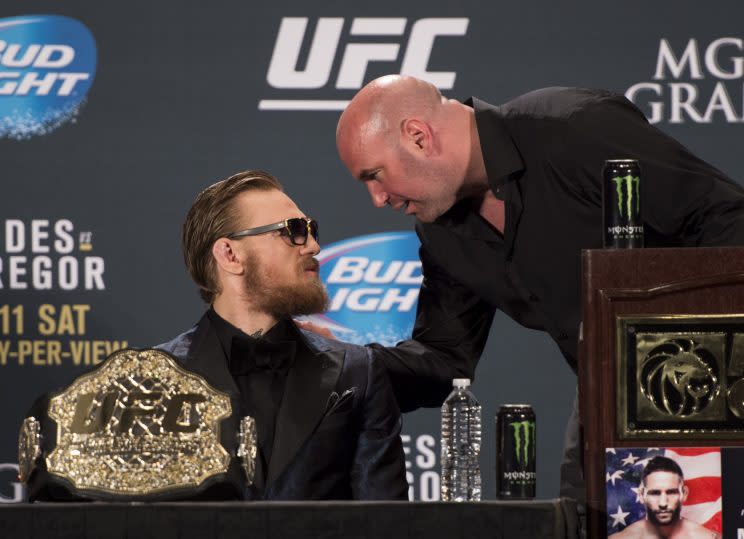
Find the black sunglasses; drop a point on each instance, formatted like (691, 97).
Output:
(296, 228)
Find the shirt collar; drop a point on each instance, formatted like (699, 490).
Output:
(283, 330)
(503, 163)
(500, 155)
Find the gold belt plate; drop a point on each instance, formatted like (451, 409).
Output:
(138, 425)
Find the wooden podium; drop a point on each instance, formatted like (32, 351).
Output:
(640, 308)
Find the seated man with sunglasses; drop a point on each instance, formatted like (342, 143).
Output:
(328, 426)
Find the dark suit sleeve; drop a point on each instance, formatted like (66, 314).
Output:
(451, 329)
(379, 471)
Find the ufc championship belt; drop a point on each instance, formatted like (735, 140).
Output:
(138, 427)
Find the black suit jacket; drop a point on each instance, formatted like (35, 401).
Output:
(338, 427)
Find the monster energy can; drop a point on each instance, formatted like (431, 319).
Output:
(621, 199)
(515, 452)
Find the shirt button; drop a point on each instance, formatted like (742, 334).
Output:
(533, 297)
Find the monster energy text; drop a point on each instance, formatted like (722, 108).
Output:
(621, 195)
(515, 451)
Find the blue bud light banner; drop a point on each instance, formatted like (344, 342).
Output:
(47, 65)
(373, 284)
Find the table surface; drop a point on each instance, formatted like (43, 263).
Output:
(543, 519)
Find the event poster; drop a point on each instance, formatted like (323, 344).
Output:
(652, 491)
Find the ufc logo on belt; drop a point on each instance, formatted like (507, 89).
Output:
(175, 414)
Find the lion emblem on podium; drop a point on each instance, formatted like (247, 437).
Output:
(679, 377)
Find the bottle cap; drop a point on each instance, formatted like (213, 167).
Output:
(461, 382)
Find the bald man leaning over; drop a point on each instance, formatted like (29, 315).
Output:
(505, 197)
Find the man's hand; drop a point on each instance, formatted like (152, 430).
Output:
(315, 328)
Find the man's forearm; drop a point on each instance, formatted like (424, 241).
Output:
(420, 375)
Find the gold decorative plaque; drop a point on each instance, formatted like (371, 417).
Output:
(29, 447)
(247, 448)
(680, 375)
(138, 425)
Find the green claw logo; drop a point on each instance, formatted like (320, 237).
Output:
(627, 185)
(524, 438)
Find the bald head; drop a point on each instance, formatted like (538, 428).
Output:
(381, 106)
(410, 146)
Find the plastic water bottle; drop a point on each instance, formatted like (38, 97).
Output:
(461, 443)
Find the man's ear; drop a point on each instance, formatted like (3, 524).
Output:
(225, 256)
(685, 492)
(417, 135)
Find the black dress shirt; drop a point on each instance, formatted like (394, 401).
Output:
(259, 367)
(544, 153)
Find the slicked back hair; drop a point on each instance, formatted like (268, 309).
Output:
(213, 216)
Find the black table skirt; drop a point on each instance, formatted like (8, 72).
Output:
(544, 519)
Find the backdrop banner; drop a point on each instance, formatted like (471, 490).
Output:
(114, 115)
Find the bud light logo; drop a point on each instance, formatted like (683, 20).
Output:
(373, 284)
(47, 65)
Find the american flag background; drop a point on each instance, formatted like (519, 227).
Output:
(702, 471)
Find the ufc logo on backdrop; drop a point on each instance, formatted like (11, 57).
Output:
(317, 71)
